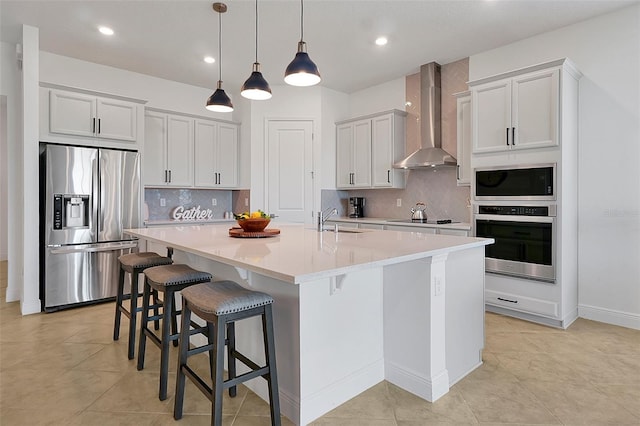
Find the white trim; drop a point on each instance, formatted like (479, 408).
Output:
(609, 316)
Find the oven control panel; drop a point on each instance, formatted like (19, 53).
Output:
(515, 210)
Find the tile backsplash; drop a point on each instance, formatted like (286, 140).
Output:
(436, 188)
(188, 198)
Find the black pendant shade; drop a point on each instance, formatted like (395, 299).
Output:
(302, 71)
(219, 101)
(256, 87)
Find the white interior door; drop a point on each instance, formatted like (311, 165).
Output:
(289, 170)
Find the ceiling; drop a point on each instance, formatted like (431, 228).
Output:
(169, 38)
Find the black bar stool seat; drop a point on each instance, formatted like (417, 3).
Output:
(167, 279)
(134, 264)
(221, 303)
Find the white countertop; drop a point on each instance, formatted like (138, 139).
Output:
(464, 226)
(300, 253)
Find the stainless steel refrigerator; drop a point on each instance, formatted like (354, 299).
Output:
(88, 196)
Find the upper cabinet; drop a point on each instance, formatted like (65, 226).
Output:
(216, 154)
(366, 149)
(463, 127)
(168, 150)
(353, 162)
(186, 151)
(518, 111)
(80, 114)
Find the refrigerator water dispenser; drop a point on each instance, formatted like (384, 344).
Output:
(70, 211)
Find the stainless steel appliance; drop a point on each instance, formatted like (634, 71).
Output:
(525, 240)
(87, 197)
(513, 183)
(357, 206)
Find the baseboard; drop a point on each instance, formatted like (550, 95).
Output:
(31, 308)
(12, 294)
(609, 316)
(524, 316)
(316, 405)
(417, 384)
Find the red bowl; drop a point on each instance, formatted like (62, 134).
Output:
(254, 224)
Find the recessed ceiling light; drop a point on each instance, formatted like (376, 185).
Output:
(105, 30)
(381, 41)
(209, 59)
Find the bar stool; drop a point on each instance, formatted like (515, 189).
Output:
(134, 264)
(167, 279)
(222, 303)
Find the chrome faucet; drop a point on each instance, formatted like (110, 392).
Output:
(324, 215)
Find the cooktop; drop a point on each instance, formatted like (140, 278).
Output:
(430, 221)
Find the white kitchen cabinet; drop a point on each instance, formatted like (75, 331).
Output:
(421, 229)
(353, 162)
(366, 149)
(81, 114)
(168, 150)
(216, 154)
(387, 148)
(516, 112)
(463, 134)
(455, 232)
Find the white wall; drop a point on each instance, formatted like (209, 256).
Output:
(607, 50)
(10, 86)
(334, 108)
(4, 176)
(383, 97)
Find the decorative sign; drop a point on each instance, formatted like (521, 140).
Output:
(194, 213)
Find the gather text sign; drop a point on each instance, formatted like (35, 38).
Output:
(193, 213)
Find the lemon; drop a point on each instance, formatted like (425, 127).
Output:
(256, 214)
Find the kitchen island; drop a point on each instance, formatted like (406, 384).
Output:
(351, 308)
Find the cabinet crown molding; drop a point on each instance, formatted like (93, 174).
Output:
(565, 63)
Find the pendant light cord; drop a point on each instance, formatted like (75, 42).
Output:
(219, 46)
(256, 31)
(301, 20)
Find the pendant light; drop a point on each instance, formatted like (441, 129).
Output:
(256, 87)
(219, 101)
(302, 71)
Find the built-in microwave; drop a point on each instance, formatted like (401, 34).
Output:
(515, 183)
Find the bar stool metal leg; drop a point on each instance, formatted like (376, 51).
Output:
(119, 298)
(270, 356)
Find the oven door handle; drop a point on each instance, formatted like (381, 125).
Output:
(514, 218)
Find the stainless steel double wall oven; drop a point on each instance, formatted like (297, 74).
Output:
(516, 206)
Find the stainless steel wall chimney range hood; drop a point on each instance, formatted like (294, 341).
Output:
(430, 153)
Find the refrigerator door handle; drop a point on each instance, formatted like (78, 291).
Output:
(91, 248)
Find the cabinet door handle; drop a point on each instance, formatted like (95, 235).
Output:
(98, 126)
(165, 176)
(507, 300)
(458, 171)
(93, 126)
(169, 176)
(388, 176)
(513, 136)
(507, 136)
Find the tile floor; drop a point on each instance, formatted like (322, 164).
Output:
(64, 369)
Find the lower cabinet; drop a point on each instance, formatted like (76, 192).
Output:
(521, 303)
(423, 230)
(456, 232)
(383, 225)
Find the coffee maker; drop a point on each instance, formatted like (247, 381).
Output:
(357, 206)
